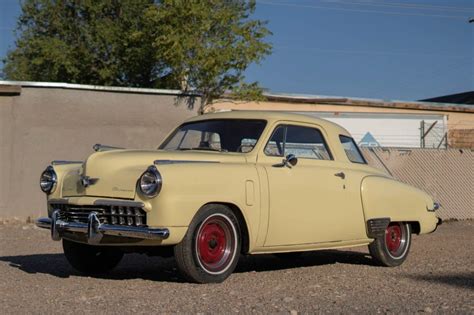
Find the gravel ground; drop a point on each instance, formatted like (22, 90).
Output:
(438, 277)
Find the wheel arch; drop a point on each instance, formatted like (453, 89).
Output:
(415, 227)
(244, 231)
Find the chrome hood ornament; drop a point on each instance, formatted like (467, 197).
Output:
(86, 181)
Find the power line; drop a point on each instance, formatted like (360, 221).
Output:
(307, 6)
(368, 52)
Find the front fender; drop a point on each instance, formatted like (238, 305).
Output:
(188, 187)
(384, 197)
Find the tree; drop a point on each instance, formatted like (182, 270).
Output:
(203, 46)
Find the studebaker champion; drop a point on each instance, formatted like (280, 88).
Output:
(231, 183)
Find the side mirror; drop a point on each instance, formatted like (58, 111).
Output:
(290, 160)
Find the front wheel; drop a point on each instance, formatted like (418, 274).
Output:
(392, 248)
(210, 249)
(91, 259)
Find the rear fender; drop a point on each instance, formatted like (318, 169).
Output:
(383, 197)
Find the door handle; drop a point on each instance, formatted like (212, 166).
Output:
(341, 175)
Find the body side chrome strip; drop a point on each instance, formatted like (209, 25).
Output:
(164, 162)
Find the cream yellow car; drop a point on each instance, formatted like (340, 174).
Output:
(231, 183)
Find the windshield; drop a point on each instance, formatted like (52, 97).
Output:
(223, 135)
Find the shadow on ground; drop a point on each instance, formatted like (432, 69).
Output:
(461, 280)
(135, 266)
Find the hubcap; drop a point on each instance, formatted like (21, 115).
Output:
(395, 239)
(215, 244)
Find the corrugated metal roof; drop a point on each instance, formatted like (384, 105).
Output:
(276, 97)
(95, 88)
(367, 102)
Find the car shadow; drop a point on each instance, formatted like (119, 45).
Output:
(135, 266)
(261, 263)
(460, 280)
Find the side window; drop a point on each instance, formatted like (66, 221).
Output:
(303, 142)
(352, 150)
(274, 146)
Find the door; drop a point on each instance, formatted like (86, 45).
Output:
(308, 201)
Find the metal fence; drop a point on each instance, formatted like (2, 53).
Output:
(447, 175)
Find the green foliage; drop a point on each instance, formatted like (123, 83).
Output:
(248, 92)
(203, 46)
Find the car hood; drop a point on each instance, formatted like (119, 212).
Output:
(115, 173)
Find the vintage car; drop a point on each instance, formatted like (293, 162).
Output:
(231, 183)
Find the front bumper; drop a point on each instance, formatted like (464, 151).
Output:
(94, 231)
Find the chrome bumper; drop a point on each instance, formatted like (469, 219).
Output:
(94, 230)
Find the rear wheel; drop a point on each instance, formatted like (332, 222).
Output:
(210, 249)
(91, 259)
(392, 248)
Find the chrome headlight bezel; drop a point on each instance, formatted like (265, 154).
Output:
(150, 182)
(48, 180)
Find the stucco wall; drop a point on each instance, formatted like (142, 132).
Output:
(45, 124)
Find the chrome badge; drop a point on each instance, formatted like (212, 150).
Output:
(86, 181)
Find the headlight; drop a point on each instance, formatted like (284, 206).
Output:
(150, 182)
(48, 180)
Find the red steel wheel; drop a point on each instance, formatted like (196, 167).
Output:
(393, 238)
(216, 243)
(391, 249)
(210, 250)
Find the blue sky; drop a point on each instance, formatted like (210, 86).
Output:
(377, 49)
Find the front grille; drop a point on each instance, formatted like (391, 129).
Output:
(118, 215)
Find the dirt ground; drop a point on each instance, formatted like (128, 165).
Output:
(438, 277)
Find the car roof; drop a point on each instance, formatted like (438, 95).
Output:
(272, 116)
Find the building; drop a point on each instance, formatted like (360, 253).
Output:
(389, 123)
(42, 121)
(458, 98)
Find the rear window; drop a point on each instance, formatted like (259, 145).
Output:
(352, 150)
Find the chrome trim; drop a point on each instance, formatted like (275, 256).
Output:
(44, 223)
(436, 206)
(124, 203)
(289, 161)
(61, 162)
(54, 179)
(62, 201)
(102, 202)
(86, 181)
(158, 182)
(164, 162)
(94, 230)
(101, 147)
(376, 227)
